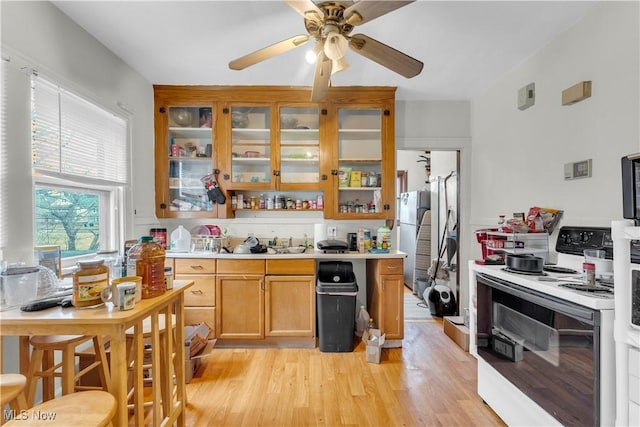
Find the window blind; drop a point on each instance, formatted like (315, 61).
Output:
(73, 138)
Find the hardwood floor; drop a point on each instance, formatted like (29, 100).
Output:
(430, 381)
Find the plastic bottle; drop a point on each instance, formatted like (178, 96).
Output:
(501, 223)
(362, 321)
(320, 201)
(371, 324)
(180, 240)
(146, 259)
(384, 237)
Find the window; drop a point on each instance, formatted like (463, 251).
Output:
(80, 170)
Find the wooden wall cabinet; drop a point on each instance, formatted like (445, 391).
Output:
(271, 138)
(200, 299)
(385, 295)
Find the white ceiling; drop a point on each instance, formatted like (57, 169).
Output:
(465, 45)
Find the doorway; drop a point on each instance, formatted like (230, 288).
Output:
(437, 172)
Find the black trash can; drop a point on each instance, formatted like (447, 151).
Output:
(336, 293)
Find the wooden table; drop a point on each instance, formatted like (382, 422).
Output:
(107, 321)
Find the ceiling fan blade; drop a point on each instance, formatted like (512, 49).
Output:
(268, 52)
(307, 9)
(367, 10)
(385, 55)
(321, 78)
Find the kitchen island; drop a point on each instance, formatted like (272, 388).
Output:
(258, 300)
(105, 320)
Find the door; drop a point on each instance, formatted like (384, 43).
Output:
(240, 306)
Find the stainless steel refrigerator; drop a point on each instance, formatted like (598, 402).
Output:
(413, 206)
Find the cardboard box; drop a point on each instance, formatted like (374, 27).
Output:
(374, 339)
(455, 329)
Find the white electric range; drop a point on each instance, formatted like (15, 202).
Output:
(549, 347)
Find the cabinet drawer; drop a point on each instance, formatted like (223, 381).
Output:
(241, 266)
(390, 266)
(203, 291)
(291, 266)
(194, 265)
(197, 315)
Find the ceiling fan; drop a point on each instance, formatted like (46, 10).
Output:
(330, 23)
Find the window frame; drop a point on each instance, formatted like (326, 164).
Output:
(112, 194)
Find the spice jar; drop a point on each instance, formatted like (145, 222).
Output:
(589, 270)
(91, 277)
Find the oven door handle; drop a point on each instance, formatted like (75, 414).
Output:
(552, 303)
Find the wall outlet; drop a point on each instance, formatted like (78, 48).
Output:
(332, 230)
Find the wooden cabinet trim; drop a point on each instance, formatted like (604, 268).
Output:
(241, 266)
(291, 266)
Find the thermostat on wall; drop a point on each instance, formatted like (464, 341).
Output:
(581, 169)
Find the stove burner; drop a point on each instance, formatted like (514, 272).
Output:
(558, 269)
(526, 273)
(587, 288)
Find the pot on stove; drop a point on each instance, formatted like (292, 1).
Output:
(527, 263)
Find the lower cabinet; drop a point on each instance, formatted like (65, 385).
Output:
(290, 298)
(240, 299)
(385, 295)
(200, 299)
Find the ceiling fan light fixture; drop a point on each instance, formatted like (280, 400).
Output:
(335, 46)
(339, 65)
(311, 56)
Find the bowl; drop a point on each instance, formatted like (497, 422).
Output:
(296, 249)
(182, 116)
(288, 122)
(252, 154)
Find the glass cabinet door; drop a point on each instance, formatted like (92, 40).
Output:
(299, 146)
(190, 157)
(360, 163)
(251, 146)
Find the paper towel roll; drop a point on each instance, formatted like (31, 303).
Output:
(319, 234)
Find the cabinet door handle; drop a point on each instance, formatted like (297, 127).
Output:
(334, 172)
(197, 292)
(276, 172)
(324, 177)
(196, 267)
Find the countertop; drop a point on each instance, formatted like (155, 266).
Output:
(313, 254)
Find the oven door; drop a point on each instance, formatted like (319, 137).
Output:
(547, 347)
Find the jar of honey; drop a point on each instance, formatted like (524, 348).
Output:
(89, 280)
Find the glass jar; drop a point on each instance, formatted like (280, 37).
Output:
(91, 277)
(113, 261)
(146, 259)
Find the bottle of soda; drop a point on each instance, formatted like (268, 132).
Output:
(146, 259)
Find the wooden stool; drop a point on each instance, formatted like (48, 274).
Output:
(12, 393)
(42, 365)
(84, 409)
(131, 350)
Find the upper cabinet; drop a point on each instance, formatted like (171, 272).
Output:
(362, 162)
(272, 147)
(272, 140)
(185, 152)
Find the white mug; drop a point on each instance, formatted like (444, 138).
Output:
(123, 295)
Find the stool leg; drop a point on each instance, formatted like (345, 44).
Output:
(103, 369)
(48, 381)
(32, 380)
(68, 369)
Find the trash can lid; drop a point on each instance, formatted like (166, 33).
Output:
(336, 272)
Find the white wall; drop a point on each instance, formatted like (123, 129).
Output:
(518, 156)
(37, 35)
